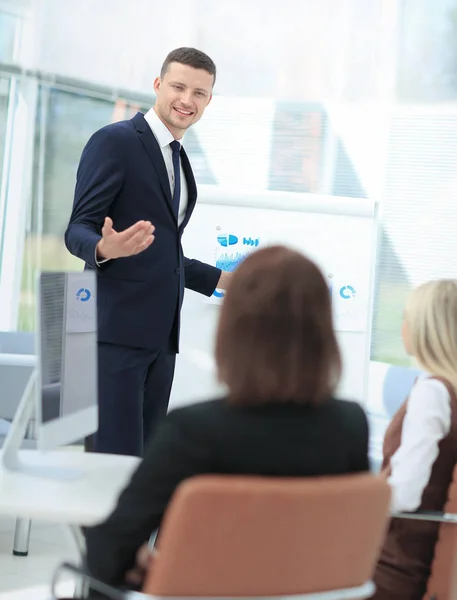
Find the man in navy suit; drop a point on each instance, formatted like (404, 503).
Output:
(134, 187)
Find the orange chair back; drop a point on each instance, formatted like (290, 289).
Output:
(260, 536)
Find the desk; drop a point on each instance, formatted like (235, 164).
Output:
(17, 360)
(73, 503)
(82, 502)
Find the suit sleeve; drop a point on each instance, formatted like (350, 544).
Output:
(201, 277)
(170, 458)
(99, 179)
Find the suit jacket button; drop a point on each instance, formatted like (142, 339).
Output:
(178, 271)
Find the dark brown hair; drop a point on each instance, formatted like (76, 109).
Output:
(275, 341)
(191, 57)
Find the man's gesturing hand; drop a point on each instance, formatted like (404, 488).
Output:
(115, 244)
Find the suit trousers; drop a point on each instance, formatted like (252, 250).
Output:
(134, 386)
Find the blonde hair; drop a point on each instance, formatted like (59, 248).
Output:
(431, 315)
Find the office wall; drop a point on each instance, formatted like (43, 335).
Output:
(263, 48)
(347, 97)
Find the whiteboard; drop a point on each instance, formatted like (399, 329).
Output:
(339, 234)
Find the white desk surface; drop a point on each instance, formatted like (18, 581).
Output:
(17, 360)
(84, 501)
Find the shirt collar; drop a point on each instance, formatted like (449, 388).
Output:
(162, 134)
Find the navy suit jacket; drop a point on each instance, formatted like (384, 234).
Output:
(122, 175)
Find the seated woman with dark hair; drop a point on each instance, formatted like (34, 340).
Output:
(277, 354)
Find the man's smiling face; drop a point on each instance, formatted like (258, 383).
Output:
(183, 93)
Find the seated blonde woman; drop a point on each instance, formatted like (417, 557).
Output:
(277, 354)
(420, 445)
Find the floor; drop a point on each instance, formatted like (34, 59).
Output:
(28, 578)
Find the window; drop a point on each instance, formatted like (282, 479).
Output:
(419, 214)
(297, 152)
(4, 143)
(427, 56)
(65, 122)
(419, 201)
(355, 98)
(8, 28)
(4, 97)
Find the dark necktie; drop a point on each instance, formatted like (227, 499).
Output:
(176, 148)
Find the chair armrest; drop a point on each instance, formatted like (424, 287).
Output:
(427, 515)
(97, 585)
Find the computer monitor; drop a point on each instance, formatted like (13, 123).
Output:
(66, 390)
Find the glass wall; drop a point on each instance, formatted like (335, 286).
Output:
(5, 85)
(9, 25)
(65, 121)
(427, 53)
(366, 107)
(419, 196)
(4, 99)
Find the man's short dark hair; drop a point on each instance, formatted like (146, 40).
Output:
(275, 341)
(191, 57)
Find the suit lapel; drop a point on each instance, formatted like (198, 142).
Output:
(155, 154)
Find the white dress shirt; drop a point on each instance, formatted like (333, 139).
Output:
(164, 138)
(426, 423)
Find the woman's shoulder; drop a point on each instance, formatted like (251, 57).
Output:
(197, 410)
(351, 417)
(346, 406)
(219, 410)
(426, 387)
(350, 410)
(432, 383)
(221, 405)
(428, 395)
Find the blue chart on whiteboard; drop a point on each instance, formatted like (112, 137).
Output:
(230, 249)
(347, 286)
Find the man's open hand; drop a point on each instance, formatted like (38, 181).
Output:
(116, 244)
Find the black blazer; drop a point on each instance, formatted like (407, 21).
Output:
(213, 437)
(122, 175)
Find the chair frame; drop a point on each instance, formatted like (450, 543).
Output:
(355, 593)
(427, 515)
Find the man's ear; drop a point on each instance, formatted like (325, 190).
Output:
(157, 84)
